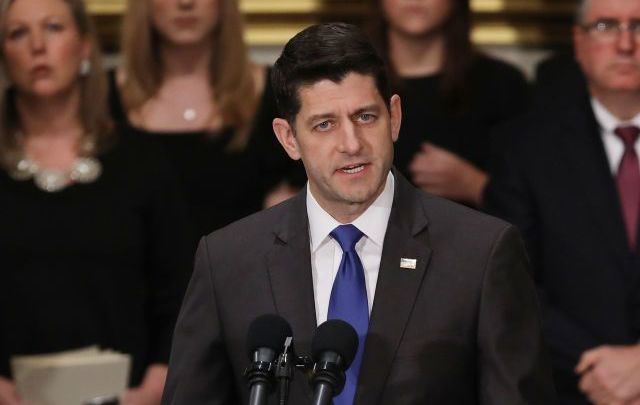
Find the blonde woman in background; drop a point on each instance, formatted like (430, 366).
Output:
(186, 82)
(91, 224)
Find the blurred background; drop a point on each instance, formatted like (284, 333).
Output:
(520, 31)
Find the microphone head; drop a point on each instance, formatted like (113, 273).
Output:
(267, 331)
(337, 336)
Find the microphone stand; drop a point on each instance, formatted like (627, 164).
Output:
(284, 371)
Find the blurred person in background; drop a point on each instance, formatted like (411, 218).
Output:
(452, 95)
(92, 227)
(186, 81)
(557, 79)
(569, 178)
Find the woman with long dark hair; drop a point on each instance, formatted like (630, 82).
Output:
(452, 95)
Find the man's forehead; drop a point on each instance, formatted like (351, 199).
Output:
(612, 8)
(354, 89)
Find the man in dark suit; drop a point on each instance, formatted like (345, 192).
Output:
(570, 180)
(450, 314)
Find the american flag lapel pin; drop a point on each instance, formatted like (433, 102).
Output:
(409, 264)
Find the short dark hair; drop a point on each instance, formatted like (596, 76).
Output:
(324, 51)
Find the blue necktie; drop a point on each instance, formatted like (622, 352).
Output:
(349, 302)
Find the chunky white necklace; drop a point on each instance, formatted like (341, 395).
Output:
(82, 170)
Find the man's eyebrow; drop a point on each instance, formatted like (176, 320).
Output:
(328, 115)
(318, 117)
(368, 108)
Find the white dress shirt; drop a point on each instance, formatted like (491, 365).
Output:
(326, 253)
(613, 145)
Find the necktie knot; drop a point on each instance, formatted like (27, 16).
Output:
(628, 134)
(347, 236)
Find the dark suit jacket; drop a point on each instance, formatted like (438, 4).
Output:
(553, 181)
(557, 79)
(462, 328)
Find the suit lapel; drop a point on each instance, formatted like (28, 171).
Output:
(396, 289)
(289, 266)
(585, 154)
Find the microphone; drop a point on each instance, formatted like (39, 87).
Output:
(333, 347)
(266, 336)
(284, 370)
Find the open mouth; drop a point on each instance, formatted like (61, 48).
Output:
(352, 169)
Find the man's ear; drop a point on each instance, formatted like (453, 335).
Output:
(395, 114)
(285, 134)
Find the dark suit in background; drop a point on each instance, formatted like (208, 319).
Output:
(557, 79)
(554, 182)
(462, 328)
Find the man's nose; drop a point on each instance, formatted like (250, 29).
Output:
(350, 141)
(626, 41)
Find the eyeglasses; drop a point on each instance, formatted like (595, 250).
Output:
(609, 29)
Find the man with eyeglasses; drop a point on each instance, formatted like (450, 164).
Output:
(569, 177)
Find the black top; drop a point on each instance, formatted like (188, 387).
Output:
(220, 185)
(102, 263)
(497, 92)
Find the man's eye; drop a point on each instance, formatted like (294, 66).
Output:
(366, 117)
(606, 26)
(324, 125)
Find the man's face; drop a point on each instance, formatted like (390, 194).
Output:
(611, 63)
(344, 135)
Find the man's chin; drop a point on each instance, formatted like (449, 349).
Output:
(359, 196)
(356, 199)
(628, 86)
(625, 79)
(618, 84)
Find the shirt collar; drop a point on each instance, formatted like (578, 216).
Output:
(373, 222)
(609, 122)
